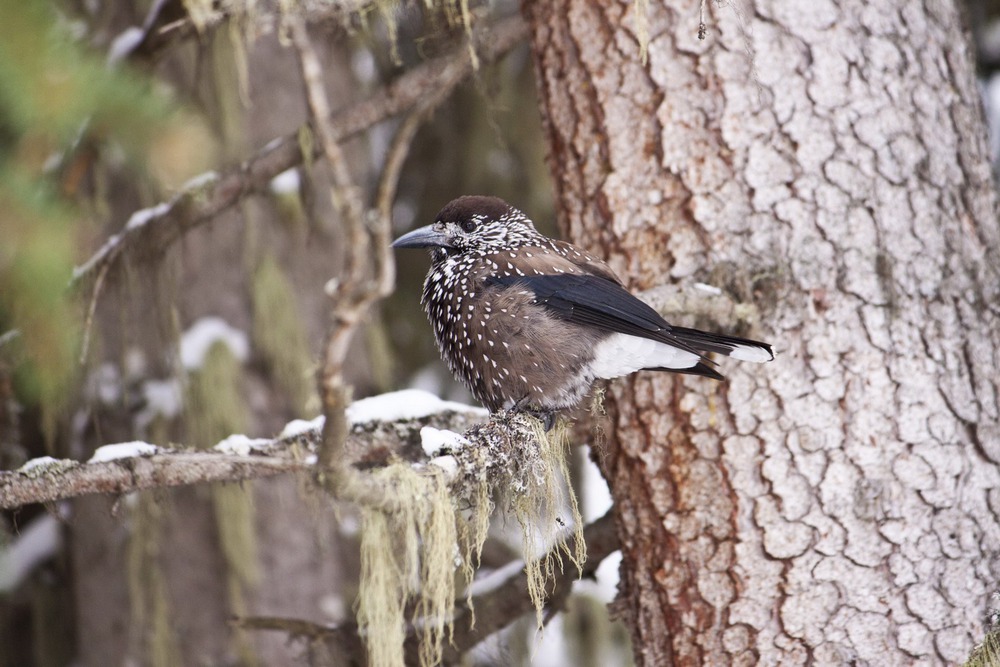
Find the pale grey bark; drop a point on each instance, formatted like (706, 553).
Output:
(827, 166)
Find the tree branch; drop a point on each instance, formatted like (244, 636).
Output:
(63, 479)
(370, 444)
(205, 197)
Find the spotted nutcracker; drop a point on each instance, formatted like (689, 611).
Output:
(528, 322)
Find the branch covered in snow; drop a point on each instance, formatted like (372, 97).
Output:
(205, 197)
(382, 427)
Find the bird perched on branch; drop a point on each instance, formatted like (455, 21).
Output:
(529, 322)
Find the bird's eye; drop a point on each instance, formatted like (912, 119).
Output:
(468, 226)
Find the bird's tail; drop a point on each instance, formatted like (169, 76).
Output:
(742, 349)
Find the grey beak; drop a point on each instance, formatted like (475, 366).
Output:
(425, 237)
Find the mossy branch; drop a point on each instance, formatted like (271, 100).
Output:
(60, 479)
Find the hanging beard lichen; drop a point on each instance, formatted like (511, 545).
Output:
(538, 511)
(407, 555)
(526, 468)
(409, 549)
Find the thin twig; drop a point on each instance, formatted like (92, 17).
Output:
(91, 309)
(385, 266)
(345, 194)
(350, 299)
(366, 279)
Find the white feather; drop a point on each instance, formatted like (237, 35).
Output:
(621, 354)
(749, 353)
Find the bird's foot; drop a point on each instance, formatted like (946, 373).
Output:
(547, 417)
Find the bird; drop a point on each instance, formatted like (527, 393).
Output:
(529, 323)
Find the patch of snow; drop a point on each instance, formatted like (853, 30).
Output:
(164, 397)
(135, 363)
(595, 498)
(144, 215)
(104, 384)
(240, 445)
(434, 440)
(200, 181)
(447, 463)
(310, 460)
(40, 462)
(124, 44)
(272, 144)
(39, 541)
(161, 398)
(494, 579)
(8, 336)
(204, 333)
(300, 426)
(286, 183)
(604, 585)
(364, 66)
(103, 252)
(711, 289)
(349, 525)
(550, 646)
(123, 450)
(405, 404)
(333, 607)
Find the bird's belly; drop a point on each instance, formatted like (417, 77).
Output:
(517, 354)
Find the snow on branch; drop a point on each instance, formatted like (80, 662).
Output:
(382, 427)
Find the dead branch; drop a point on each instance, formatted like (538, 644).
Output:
(366, 279)
(205, 197)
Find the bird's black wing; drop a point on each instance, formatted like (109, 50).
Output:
(598, 302)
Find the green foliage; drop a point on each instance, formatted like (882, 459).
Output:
(50, 87)
(35, 260)
(53, 96)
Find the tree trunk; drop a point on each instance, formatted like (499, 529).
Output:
(827, 168)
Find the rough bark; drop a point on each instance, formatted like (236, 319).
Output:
(827, 167)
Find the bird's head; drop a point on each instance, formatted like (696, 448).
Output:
(472, 225)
